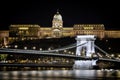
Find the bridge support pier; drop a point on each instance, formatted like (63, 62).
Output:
(86, 50)
(84, 64)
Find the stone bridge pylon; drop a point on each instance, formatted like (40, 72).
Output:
(85, 50)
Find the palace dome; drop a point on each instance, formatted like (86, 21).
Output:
(57, 16)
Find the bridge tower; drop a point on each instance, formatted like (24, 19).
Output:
(86, 50)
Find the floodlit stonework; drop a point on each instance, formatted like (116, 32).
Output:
(57, 30)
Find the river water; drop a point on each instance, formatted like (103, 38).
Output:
(61, 75)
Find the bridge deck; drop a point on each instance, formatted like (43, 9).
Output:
(35, 52)
(34, 65)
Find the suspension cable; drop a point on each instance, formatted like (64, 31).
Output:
(61, 49)
(101, 50)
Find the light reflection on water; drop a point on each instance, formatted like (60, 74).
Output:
(61, 75)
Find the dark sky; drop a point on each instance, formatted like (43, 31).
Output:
(73, 12)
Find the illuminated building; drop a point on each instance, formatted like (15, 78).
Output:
(89, 29)
(21, 32)
(112, 33)
(57, 30)
(27, 31)
(4, 35)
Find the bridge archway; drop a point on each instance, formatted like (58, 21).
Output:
(86, 49)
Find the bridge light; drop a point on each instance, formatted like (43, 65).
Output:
(72, 53)
(25, 47)
(69, 52)
(119, 55)
(22, 39)
(40, 49)
(112, 55)
(107, 56)
(56, 50)
(65, 51)
(6, 46)
(16, 46)
(67, 61)
(34, 47)
(49, 49)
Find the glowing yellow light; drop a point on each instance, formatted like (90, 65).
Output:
(88, 28)
(23, 28)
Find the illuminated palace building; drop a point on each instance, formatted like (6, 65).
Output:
(30, 31)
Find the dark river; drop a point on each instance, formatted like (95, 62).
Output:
(61, 75)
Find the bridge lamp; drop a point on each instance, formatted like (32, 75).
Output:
(108, 56)
(67, 61)
(49, 49)
(65, 51)
(119, 55)
(16, 46)
(72, 52)
(40, 49)
(34, 47)
(69, 52)
(25, 47)
(6, 46)
(112, 55)
(56, 50)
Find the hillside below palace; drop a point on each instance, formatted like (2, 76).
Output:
(34, 31)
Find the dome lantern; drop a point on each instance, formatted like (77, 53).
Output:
(57, 16)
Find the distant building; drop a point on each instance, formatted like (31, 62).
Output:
(4, 35)
(22, 32)
(89, 29)
(30, 31)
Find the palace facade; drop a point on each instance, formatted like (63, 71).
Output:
(34, 31)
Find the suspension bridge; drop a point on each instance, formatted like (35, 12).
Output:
(85, 56)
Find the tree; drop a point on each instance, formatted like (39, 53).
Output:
(3, 57)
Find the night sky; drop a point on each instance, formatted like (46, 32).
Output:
(73, 12)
